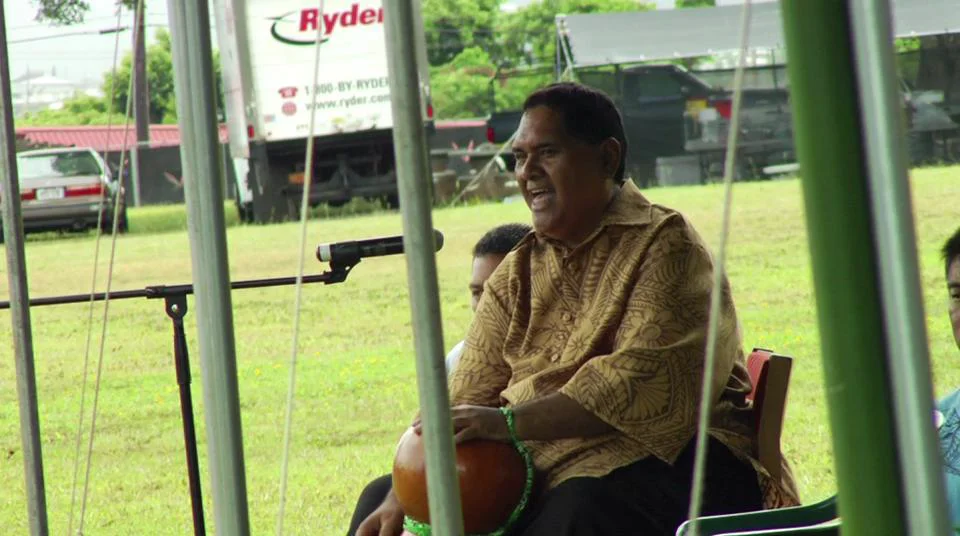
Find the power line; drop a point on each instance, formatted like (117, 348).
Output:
(104, 31)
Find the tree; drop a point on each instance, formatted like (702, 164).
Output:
(529, 34)
(452, 26)
(67, 12)
(460, 88)
(696, 3)
(80, 110)
(163, 103)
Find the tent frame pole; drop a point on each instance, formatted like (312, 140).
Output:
(414, 182)
(19, 302)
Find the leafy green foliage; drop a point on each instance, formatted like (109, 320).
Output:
(696, 3)
(163, 105)
(59, 12)
(80, 110)
(452, 26)
(906, 44)
(461, 88)
(529, 34)
(462, 82)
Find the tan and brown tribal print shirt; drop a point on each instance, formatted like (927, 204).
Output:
(618, 324)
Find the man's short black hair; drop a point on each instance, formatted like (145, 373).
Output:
(951, 250)
(500, 240)
(588, 115)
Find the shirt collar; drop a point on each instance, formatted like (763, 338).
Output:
(628, 207)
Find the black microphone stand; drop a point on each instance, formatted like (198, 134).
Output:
(175, 305)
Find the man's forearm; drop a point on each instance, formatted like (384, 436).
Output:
(556, 416)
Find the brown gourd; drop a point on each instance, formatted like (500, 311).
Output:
(492, 478)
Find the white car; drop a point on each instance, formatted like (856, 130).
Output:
(61, 189)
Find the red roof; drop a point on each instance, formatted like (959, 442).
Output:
(460, 123)
(102, 138)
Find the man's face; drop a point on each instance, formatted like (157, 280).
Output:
(483, 267)
(953, 287)
(566, 183)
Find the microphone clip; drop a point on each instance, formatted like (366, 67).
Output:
(339, 269)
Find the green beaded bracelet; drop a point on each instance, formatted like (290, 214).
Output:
(419, 528)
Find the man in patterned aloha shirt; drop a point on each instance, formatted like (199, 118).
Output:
(593, 332)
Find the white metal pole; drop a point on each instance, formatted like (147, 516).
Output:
(19, 301)
(200, 154)
(414, 176)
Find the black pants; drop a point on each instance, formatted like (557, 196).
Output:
(648, 498)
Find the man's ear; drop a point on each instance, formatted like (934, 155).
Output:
(610, 154)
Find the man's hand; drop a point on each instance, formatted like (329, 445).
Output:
(386, 520)
(475, 422)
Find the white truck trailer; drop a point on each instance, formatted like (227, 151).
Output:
(267, 53)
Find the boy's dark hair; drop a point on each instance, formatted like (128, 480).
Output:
(501, 239)
(588, 115)
(950, 251)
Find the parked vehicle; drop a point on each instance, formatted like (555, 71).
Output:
(765, 136)
(268, 52)
(62, 189)
(502, 125)
(766, 128)
(652, 100)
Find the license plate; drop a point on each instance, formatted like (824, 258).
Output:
(45, 194)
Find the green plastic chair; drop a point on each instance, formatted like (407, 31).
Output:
(819, 518)
(830, 528)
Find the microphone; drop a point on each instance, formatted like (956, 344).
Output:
(354, 250)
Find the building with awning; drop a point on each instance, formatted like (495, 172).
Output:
(599, 39)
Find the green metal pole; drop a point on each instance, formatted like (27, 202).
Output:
(414, 178)
(921, 466)
(200, 154)
(830, 149)
(19, 300)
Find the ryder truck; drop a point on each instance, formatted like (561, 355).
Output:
(267, 54)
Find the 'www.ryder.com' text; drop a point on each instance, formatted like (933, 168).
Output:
(348, 102)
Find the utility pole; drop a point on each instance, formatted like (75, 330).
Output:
(141, 100)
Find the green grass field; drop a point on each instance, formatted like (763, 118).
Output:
(356, 385)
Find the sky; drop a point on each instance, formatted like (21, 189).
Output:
(80, 57)
(75, 57)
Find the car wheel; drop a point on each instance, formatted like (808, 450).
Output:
(106, 225)
(122, 225)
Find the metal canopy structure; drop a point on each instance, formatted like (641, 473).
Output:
(859, 220)
(618, 38)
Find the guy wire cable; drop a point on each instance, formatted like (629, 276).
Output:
(706, 392)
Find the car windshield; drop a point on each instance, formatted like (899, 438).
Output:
(74, 164)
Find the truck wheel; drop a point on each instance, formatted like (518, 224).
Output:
(920, 148)
(245, 212)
